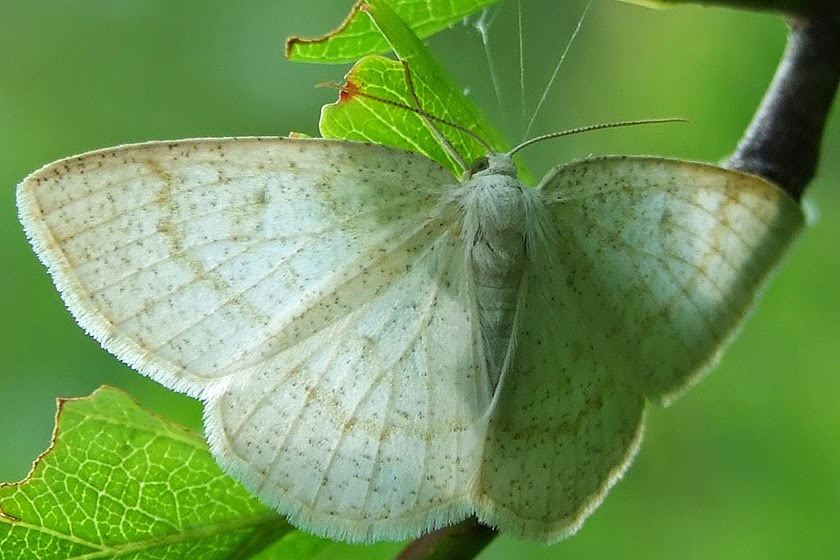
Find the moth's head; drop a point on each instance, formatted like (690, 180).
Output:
(492, 164)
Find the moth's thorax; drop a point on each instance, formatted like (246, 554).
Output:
(496, 209)
(495, 216)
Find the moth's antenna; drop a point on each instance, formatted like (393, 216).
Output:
(590, 128)
(521, 63)
(550, 83)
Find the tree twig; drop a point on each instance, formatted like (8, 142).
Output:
(782, 144)
(459, 542)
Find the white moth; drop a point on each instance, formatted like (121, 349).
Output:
(381, 350)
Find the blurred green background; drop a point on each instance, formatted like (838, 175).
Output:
(746, 465)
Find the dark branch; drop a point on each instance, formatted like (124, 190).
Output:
(782, 144)
(459, 542)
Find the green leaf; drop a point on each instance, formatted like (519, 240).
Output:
(356, 117)
(118, 481)
(357, 37)
(300, 545)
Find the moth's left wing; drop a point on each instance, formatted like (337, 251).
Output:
(190, 260)
(315, 294)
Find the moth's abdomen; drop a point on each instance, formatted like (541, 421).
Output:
(495, 229)
(497, 297)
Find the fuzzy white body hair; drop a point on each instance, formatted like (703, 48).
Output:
(501, 220)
